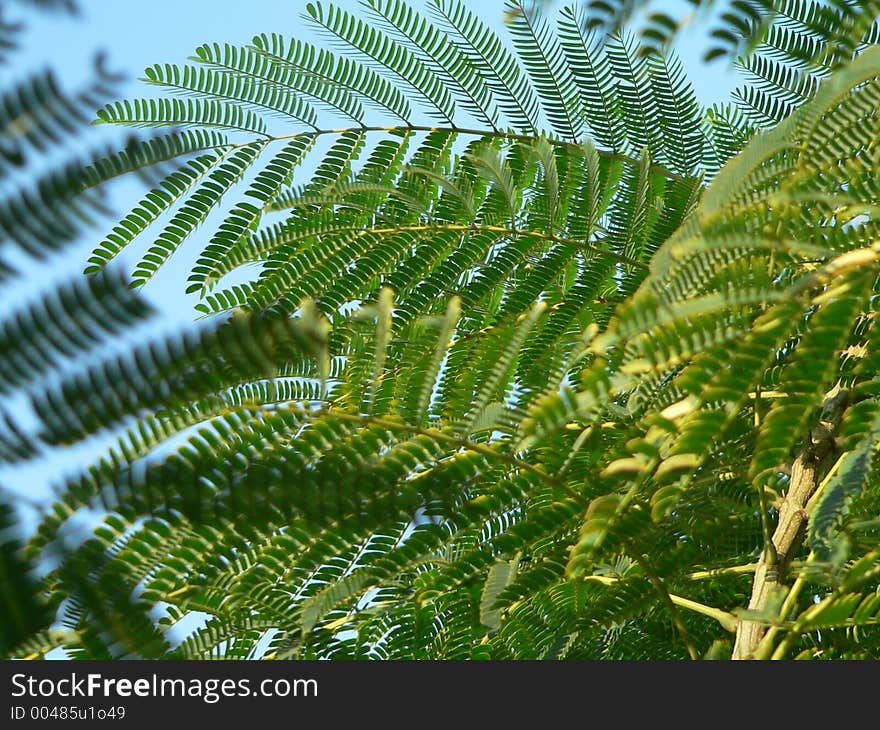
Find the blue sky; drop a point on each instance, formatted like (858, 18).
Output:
(136, 35)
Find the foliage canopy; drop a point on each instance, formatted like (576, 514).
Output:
(511, 350)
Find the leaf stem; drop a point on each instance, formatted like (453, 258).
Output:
(498, 134)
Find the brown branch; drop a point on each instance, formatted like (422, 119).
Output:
(807, 471)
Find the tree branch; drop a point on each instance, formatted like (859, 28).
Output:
(807, 471)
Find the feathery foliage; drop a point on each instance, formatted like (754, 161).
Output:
(513, 350)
